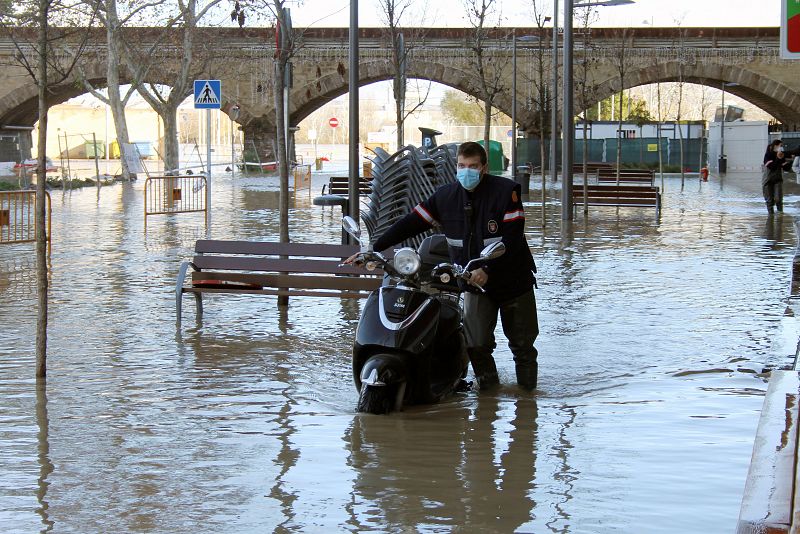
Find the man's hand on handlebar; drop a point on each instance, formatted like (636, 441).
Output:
(355, 259)
(478, 277)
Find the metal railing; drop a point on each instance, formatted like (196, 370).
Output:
(302, 178)
(175, 194)
(18, 216)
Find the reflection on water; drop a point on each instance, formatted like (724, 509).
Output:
(655, 338)
(45, 465)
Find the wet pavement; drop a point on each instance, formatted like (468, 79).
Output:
(654, 336)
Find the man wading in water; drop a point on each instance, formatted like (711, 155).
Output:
(477, 210)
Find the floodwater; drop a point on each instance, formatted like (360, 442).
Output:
(654, 339)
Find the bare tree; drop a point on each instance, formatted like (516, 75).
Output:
(540, 97)
(49, 60)
(193, 54)
(402, 42)
(489, 71)
(109, 14)
(681, 48)
(702, 113)
(584, 86)
(621, 49)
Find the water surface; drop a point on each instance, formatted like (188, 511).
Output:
(654, 336)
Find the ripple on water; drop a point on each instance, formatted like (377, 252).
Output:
(653, 341)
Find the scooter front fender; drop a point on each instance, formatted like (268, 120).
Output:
(383, 369)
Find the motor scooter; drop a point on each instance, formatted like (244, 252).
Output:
(409, 346)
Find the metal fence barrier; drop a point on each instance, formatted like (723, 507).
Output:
(302, 178)
(18, 216)
(174, 194)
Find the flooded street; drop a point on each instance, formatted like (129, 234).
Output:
(654, 336)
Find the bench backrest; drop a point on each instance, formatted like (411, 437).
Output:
(616, 189)
(267, 256)
(625, 172)
(623, 195)
(340, 185)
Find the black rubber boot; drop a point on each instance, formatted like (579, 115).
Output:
(484, 368)
(527, 375)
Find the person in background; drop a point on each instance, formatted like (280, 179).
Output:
(796, 166)
(772, 177)
(476, 210)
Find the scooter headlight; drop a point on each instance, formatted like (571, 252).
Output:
(406, 261)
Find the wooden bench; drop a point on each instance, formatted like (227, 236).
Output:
(626, 176)
(591, 167)
(339, 185)
(771, 500)
(620, 196)
(269, 268)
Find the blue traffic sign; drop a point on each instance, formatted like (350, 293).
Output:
(207, 94)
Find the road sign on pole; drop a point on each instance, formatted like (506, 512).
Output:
(333, 122)
(207, 94)
(790, 29)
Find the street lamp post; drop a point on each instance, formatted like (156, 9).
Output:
(554, 115)
(353, 185)
(568, 126)
(722, 162)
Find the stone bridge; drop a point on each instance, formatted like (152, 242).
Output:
(242, 59)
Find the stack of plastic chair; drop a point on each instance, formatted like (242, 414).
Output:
(444, 156)
(402, 180)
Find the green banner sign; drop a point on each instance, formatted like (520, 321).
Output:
(790, 29)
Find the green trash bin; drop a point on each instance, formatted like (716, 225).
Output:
(497, 160)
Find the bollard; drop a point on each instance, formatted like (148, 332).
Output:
(523, 177)
(336, 200)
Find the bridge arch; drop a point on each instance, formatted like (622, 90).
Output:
(777, 99)
(308, 98)
(21, 104)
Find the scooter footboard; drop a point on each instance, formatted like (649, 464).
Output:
(384, 369)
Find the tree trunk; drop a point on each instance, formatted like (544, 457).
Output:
(680, 142)
(542, 156)
(283, 164)
(619, 133)
(585, 167)
(169, 116)
(678, 123)
(398, 110)
(487, 122)
(660, 158)
(112, 75)
(40, 216)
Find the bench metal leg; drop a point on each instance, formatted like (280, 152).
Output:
(179, 291)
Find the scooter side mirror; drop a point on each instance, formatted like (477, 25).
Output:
(351, 227)
(494, 250)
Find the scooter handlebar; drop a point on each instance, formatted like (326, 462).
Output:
(446, 271)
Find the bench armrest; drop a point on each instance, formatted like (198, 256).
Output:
(179, 291)
(182, 276)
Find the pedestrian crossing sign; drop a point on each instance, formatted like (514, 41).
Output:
(207, 94)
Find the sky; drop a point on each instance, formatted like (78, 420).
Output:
(687, 13)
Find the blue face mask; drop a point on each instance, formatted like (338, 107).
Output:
(468, 178)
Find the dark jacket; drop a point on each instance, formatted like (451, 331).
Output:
(774, 166)
(471, 221)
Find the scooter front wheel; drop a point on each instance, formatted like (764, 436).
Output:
(382, 399)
